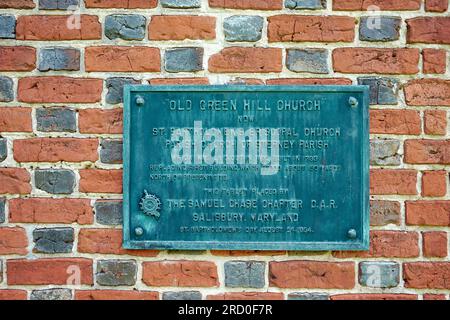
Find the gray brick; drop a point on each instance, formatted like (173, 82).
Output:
(56, 119)
(6, 89)
(53, 240)
(384, 152)
(7, 26)
(57, 4)
(1, 271)
(243, 28)
(3, 149)
(111, 151)
(182, 295)
(244, 274)
(115, 88)
(108, 212)
(384, 212)
(51, 294)
(125, 26)
(380, 274)
(184, 60)
(308, 296)
(58, 59)
(116, 272)
(2, 210)
(385, 29)
(305, 4)
(382, 90)
(184, 4)
(307, 60)
(60, 181)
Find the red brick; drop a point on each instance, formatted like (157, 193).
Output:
(246, 296)
(427, 275)
(247, 81)
(374, 296)
(122, 59)
(427, 151)
(434, 61)
(178, 81)
(312, 274)
(247, 4)
(432, 213)
(387, 244)
(434, 183)
(432, 296)
(395, 121)
(240, 59)
(100, 181)
(59, 271)
(376, 60)
(180, 274)
(390, 181)
(55, 150)
(434, 244)
(17, 58)
(436, 5)
(125, 4)
(310, 81)
(14, 181)
(428, 30)
(428, 92)
(107, 241)
(115, 295)
(12, 294)
(384, 212)
(13, 241)
(15, 119)
(17, 4)
(298, 28)
(182, 27)
(246, 253)
(435, 122)
(56, 28)
(46, 210)
(60, 89)
(363, 5)
(100, 121)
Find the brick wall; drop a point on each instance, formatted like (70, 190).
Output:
(61, 124)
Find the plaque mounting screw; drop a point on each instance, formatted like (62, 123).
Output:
(353, 102)
(140, 101)
(139, 231)
(351, 233)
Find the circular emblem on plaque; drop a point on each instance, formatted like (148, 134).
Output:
(150, 204)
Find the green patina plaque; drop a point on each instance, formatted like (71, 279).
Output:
(246, 167)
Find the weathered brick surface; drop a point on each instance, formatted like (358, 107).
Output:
(434, 244)
(383, 212)
(435, 122)
(182, 295)
(115, 295)
(116, 272)
(20, 58)
(14, 181)
(60, 181)
(387, 181)
(7, 26)
(385, 152)
(15, 119)
(57, 119)
(247, 4)
(6, 89)
(243, 28)
(101, 181)
(395, 121)
(125, 4)
(58, 4)
(427, 151)
(18, 4)
(387, 28)
(436, 5)
(126, 27)
(13, 241)
(59, 59)
(428, 30)
(422, 275)
(182, 27)
(53, 240)
(108, 212)
(434, 183)
(434, 61)
(51, 294)
(374, 296)
(183, 60)
(244, 274)
(381, 274)
(100, 121)
(424, 92)
(431, 213)
(246, 296)
(360, 5)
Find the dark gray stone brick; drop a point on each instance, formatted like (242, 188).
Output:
(244, 274)
(184, 60)
(58, 4)
(67, 59)
(6, 89)
(3, 149)
(379, 274)
(111, 151)
(51, 294)
(307, 60)
(56, 119)
(115, 88)
(308, 296)
(184, 4)
(53, 240)
(108, 212)
(182, 295)
(125, 26)
(382, 90)
(384, 152)
(1, 271)
(243, 28)
(383, 29)
(7, 26)
(2, 210)
(116, 272)
(305, 4)
(60, 181)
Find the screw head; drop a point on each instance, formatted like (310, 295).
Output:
(140, 101)
(139, 231)
(353, 102)
(351, 233)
